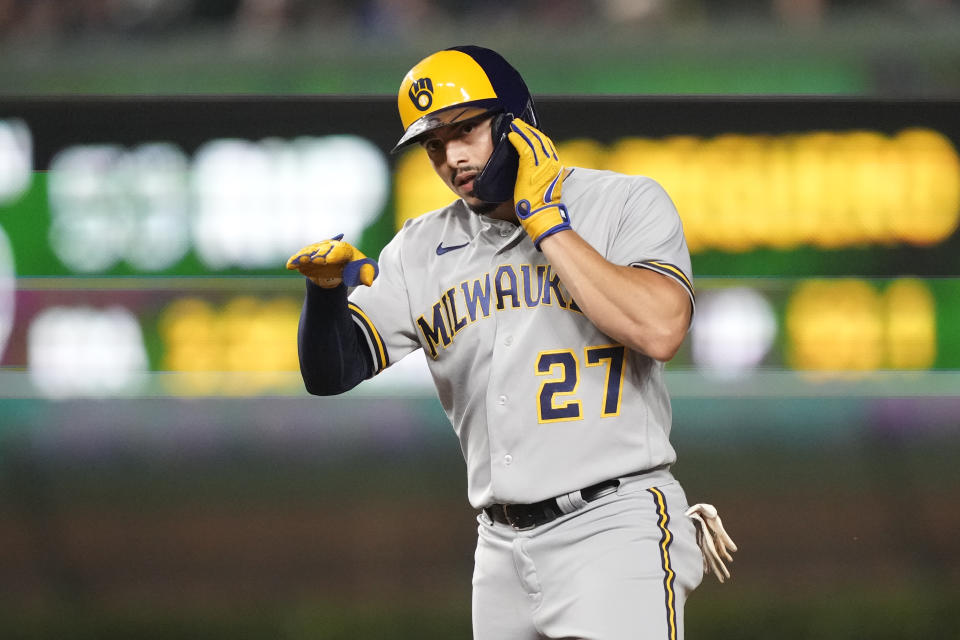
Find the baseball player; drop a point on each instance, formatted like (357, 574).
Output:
(547, 299)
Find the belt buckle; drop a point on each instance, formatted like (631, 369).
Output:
(515, 522)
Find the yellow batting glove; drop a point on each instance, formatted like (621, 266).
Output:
(536, 195)
(333, 261)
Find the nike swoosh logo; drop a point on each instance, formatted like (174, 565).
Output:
(442, 249)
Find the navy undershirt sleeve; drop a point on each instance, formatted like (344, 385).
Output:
(333, 353)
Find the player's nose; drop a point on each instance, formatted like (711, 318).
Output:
(457, 153)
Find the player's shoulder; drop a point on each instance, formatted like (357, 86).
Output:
(602, 185)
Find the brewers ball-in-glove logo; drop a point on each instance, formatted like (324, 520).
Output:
(421, 93)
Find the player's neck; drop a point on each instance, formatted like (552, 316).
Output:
(504, 211)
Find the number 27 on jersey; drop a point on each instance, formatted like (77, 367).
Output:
(557, 400)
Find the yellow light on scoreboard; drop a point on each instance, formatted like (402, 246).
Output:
(581, 152)
(740, 192)
(848, 325)
(835, 326)
(911, 332)
(787, 227)
(931, 199)
(244, 348)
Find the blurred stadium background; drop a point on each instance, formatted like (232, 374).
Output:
(162, 472)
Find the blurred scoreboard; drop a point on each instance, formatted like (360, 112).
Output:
(142, 240)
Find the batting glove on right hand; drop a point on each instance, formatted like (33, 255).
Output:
(536, 195)
(333, 261)
(715, 544)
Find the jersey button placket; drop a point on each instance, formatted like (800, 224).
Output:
(503, 427)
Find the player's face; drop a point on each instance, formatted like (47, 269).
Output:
(459, 152)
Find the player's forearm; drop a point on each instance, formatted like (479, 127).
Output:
(639, 308)
(332, 357)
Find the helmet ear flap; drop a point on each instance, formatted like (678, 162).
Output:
(496, 181)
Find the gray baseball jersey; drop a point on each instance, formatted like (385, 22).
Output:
(542, 401)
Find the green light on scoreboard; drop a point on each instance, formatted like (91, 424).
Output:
(232, 204)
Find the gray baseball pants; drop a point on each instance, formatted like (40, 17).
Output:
(618, 568)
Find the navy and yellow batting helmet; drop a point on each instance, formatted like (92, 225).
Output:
(458, 83)
(464, 82)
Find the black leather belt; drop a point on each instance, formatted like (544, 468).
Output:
(527, 516)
